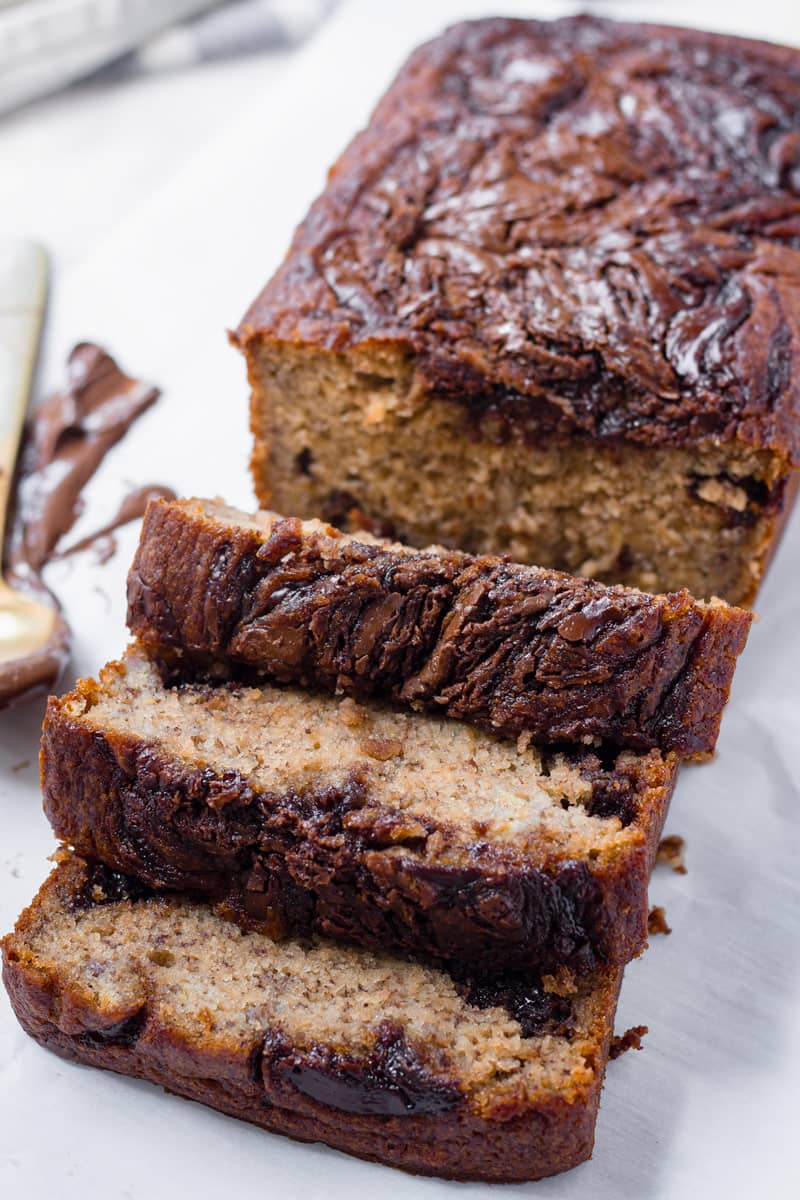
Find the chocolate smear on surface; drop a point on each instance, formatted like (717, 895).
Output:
(64, 443)
(131, 509)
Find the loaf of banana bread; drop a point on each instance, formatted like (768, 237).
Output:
(511, 648)
(296, 813)
(383, 1058)
(549, 304)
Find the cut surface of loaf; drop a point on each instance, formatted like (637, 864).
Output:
(549, 304)
(511, 648)
(380, 1057)
(295, 813)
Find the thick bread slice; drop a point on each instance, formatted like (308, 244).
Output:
(297, 812)
(510, 648)
(379, 1057)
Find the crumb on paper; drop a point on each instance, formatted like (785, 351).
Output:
(671, 853)
(22, 765)
(631, 1039)
(657, 920)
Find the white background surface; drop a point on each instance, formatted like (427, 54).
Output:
(167, 202)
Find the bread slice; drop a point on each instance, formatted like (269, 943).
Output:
(547, 304)
(510, 648)
(297, 813)
(380, 1057)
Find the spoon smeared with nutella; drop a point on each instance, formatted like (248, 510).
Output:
(33, 636)
(65, 442)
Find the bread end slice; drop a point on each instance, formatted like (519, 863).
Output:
(383, 1058)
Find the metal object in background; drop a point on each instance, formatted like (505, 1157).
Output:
(23, 289)
(46, 44)
(31, 645)
(237, 28)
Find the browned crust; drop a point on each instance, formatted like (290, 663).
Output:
(508, 647)
(438, 265)
(541, 1138)
(335, 861)
(774, 529)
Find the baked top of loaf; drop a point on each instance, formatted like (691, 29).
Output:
(588, 226)
(512, 648)
(298, 812)
(383, 1057)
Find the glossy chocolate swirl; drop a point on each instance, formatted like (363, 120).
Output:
(580, 226)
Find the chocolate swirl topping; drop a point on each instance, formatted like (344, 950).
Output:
(579, 226)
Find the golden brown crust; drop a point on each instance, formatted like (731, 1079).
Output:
(527, 1141)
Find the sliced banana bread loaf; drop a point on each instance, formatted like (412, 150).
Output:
(508, 647)
(379, 1057)
(296, 813)
(549, 304)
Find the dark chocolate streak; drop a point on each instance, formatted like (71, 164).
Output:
(102, 885)
(122, 1033)
(577, 226)
(523, 998)
(332, 862)
(65, 441)
(507, 647)
(391, 1082)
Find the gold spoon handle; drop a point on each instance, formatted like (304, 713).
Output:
(23, 292)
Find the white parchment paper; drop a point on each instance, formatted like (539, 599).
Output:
(710, 1107)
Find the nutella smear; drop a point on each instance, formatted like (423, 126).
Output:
(65, 442)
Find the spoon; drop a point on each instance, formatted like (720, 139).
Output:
(32, 633)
